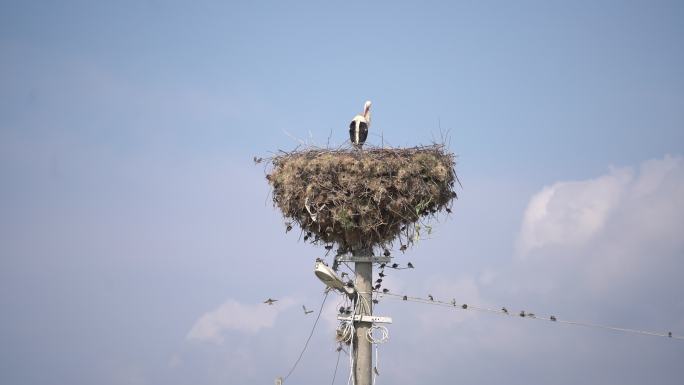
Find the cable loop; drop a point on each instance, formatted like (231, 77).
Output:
(384, 334)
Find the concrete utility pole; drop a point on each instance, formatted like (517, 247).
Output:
(363, 360)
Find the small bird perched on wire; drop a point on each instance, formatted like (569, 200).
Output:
(358, 128)
(270, 301)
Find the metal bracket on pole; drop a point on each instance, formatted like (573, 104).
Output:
(369, 258)
(367, 318)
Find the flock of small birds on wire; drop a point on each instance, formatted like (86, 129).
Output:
(350, 283)
(381, 292)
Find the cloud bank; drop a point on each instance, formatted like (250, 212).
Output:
(617, 237)
(571, 214)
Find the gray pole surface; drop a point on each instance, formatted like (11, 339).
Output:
(362, 347)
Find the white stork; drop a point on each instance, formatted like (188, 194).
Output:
(358, 128)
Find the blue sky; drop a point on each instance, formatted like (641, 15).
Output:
(131, 210)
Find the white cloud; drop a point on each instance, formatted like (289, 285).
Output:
(653, 173)
(570, 214)
(232, 315)
(620, 231)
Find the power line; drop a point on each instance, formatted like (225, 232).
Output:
(339, 352)
(320, 310)
(522, 314)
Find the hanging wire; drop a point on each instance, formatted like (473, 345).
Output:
(350, 330)
(377, 362)
(384, 337)
(339, 353)
(351, 271)
(523, 314)
(346, 332)
(320, 310)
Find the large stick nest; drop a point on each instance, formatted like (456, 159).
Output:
(363, 199)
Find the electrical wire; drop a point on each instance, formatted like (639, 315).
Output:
(339, 353)
(377, 362)
(384, 337)
(320, 310)
(351, 271)
(522, 314)
(363, 305)
(349, 327)
(346, 333)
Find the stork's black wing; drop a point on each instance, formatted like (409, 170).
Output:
(352, 131)
(363, 132)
